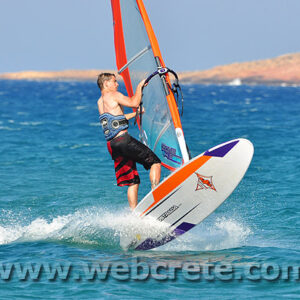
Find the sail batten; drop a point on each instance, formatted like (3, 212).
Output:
(160, 134)
(138, 56)
(131, 60)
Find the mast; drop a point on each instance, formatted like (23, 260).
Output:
(170, 97)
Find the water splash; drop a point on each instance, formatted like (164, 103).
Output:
(103, 229)
(224, 233)
(93, 226)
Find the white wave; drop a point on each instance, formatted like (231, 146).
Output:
(31, 123)
(80, 107)
(9, 128)
(79, 146)
(217, 102)
(95, 124)
(248, 101)
(36, 230)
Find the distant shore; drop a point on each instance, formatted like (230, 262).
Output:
(282, 70)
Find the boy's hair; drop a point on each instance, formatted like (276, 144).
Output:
(104, 77)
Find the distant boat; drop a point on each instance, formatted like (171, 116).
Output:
(235, 82)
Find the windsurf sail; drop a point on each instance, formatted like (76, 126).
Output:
(138, 57)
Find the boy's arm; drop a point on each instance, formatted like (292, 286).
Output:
(133, 114)
(130, 115)
(133, 101)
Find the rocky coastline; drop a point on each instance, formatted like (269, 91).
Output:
(282, 70)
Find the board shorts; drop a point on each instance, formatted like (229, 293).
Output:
(126, 151)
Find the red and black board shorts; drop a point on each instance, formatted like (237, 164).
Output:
(126, 151)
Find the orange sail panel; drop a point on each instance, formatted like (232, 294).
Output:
(137, 56)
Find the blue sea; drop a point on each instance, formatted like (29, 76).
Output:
(60, 206)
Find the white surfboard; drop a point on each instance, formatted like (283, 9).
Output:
(190, 194)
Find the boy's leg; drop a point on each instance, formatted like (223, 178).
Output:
(155, 171)
(132, 194)
(140, 153)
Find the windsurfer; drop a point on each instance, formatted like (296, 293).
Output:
(124, 149)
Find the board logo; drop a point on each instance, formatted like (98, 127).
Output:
(204, 182)
(168, 212)
(170, 154)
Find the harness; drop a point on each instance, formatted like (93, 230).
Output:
(112, 125)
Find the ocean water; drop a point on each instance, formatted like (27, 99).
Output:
(60, 206)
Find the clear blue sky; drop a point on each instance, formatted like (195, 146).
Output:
(193, 34)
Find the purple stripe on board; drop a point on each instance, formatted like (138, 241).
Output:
(150, 243)
(185, 226)
(221, 151)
